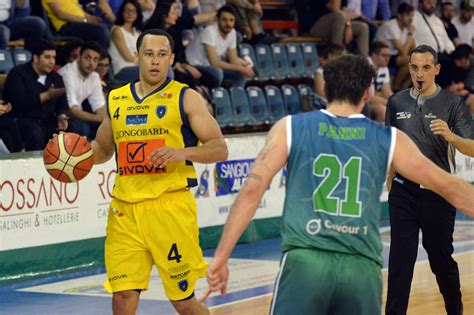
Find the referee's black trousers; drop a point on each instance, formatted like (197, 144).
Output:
(412, 208)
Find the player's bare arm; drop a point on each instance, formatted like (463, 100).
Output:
(103, 145)
(412, 164)
(268, 162)
(463, 145)
(205, 127)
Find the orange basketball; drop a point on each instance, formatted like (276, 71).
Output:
(68, 157)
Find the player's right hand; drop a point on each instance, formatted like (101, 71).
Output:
(217, 276)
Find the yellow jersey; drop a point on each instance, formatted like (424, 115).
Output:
(141, 126)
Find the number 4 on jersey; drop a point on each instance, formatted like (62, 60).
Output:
(329, 167)
(117, 113)
(173, 254)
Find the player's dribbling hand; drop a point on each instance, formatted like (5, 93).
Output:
(217, 277)
(162, 156)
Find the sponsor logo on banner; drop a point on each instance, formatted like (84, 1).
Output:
(203, 188)
(230, 176)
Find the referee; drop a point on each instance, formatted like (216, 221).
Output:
(438, 122)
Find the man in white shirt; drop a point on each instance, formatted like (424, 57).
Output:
(380, 88)
(83, 83)
(398, 34)
(464, 23)
(429, 29)
(214, 51)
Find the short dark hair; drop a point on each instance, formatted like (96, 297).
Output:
(228, 9)
(422, 49)
(156, 32)
(463, 51)
(91, 45)
(446, 4)
(377, 46)
(347, 78)
(465, 5)
(405, 8)
(37, 47)
(138, 24)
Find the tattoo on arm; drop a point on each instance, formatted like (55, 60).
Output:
(255, 176)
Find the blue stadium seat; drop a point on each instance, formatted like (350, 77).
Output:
(310, 98)
(21, 56)
(292, 99)
(280, 59)
(265, 66)
(258, 105)
(295, 57)
(223, 107)
(276, 105)
(6, 61)
(247, 50)
(310, 58)
(241, 107)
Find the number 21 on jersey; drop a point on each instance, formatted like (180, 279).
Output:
(330, 167)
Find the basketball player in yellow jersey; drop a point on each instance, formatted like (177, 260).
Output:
(154, 126)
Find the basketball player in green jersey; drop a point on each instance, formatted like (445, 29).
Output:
(337, 161)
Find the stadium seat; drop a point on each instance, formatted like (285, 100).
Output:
(265, 66)
(6, 61)
(21, 56)
(258, 105)
(280, 59)
(276, 105)
(223, 107)
(310, 58)
(247, 50)
(309, 99)
(241, 107)
(295, 58)
(292, 100)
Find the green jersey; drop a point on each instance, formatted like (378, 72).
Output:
(335, 173)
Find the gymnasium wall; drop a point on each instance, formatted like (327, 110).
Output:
(48, 227)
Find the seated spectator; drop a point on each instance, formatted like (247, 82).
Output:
(69, 52)
(330, 52)
(429, 29)
(15, 22)
(336, 26)
(454, 74)
(398, 34)
(464, 23)
(248, 23)
(214, 51)
(206, 6)
(148, 6)
(83, 84)
(447, 14)
(376, 11)
(10, 137)
(69, 19)
(381, 88)
(103, 70)
(354, 9)
(123, 41)
(38, 97)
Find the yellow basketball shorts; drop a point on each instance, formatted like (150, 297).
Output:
(163, 232)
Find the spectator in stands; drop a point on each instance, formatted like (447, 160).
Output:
(38, 97)
(83, 84)
(69, 52)
(248, 20)
(464, 23)
(69, 19)
(15, 22)
(447, 13)
(124, 37)
(148, 6)
(330, 52)
(214, 51)
(429, 29)
(337, 27)
(398, 34)
(103, 70)
(353, 9)
(380, 88)
(206, 6)
(454, 74)
(376, 11)
(10, 137)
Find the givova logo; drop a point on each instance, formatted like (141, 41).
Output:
(230, 176)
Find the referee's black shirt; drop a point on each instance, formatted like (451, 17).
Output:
(414, 119)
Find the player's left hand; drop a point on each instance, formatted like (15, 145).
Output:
(440, 127)
(162, 156)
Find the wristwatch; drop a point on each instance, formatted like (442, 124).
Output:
(85, 20)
